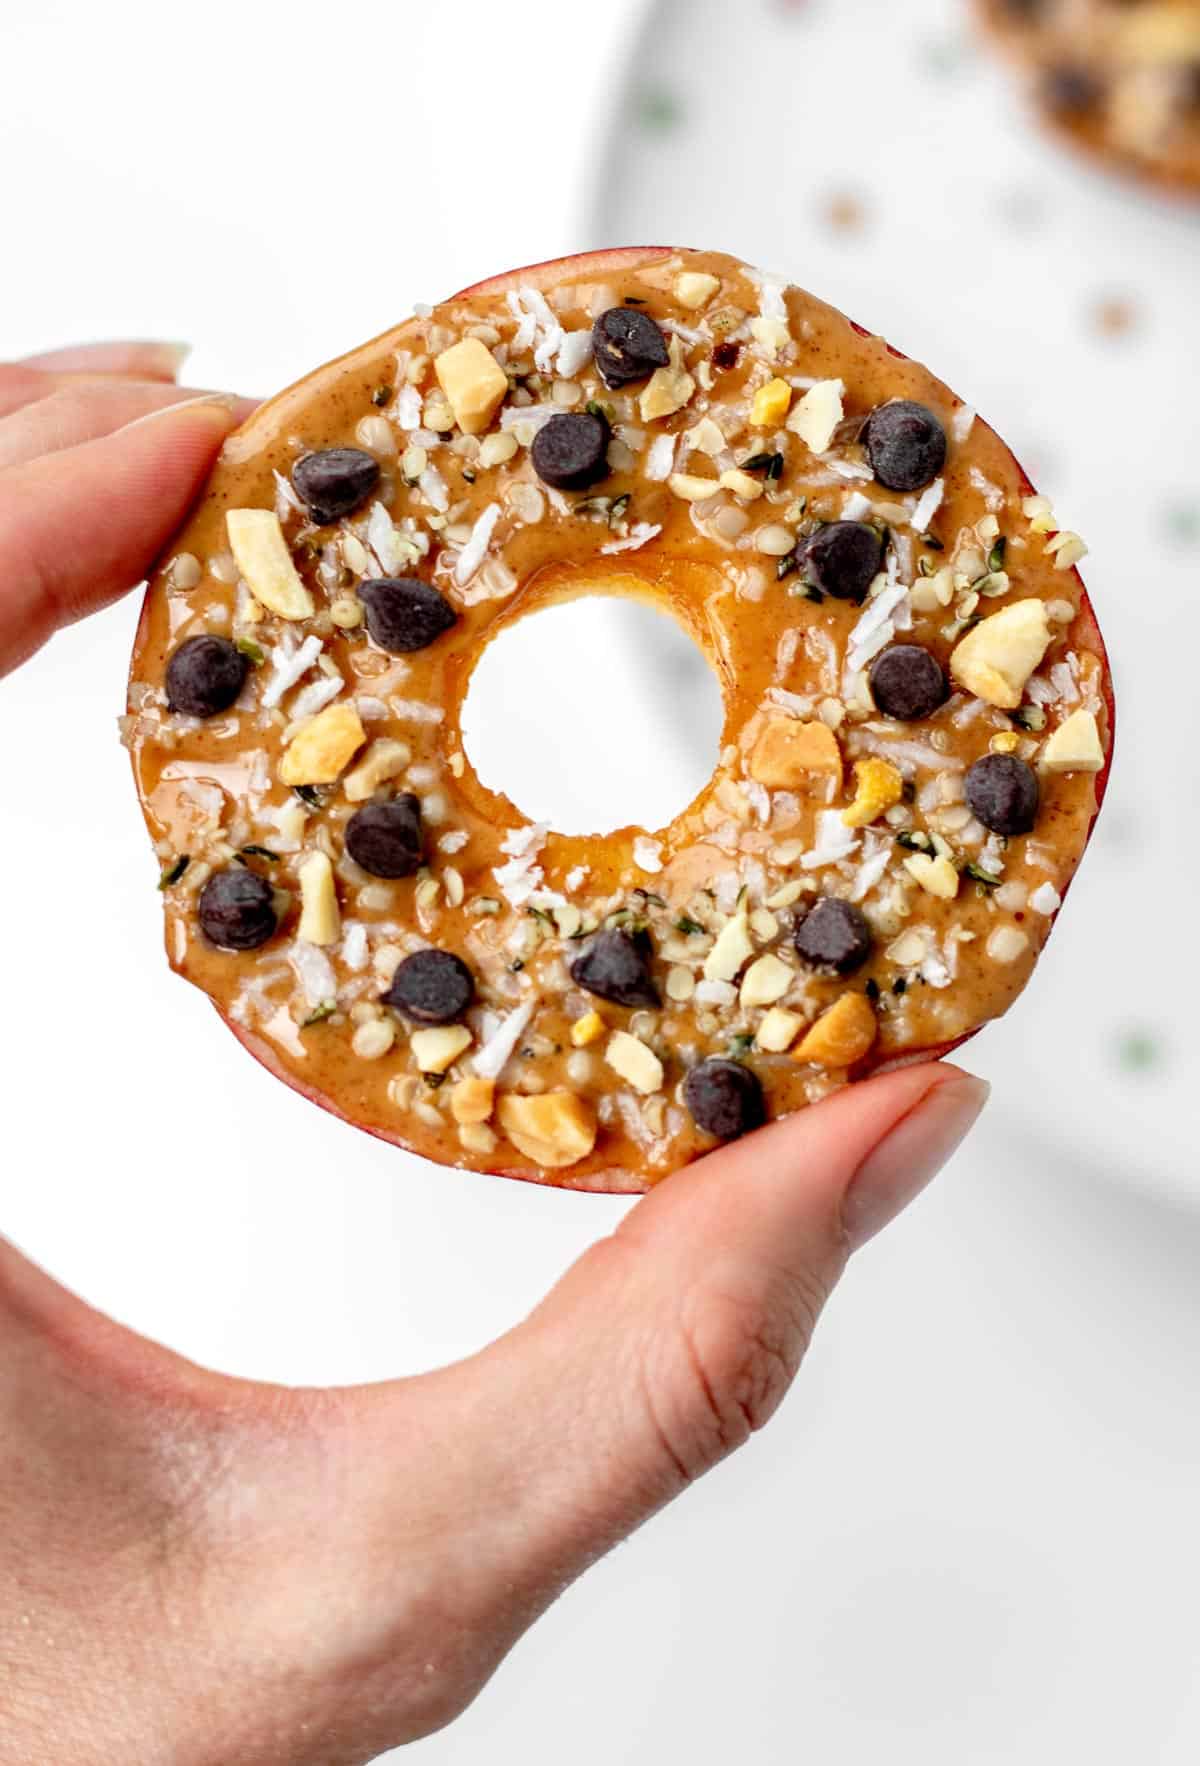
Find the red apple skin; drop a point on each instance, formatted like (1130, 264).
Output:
(1085, 633)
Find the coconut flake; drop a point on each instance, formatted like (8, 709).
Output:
(928, 506)
(475, 550)
(647, 855)
(530, 304)
(415, 711)
(289, 664)
(314, 972)
(1045, 900)
(530, 838)
(433, 489)
(315, 698)
(684, 332)
(835, 841)
(871, 870)
(856, 506)
(514, 416)
(962, 423)
(576, 877)
(660, 461)
(576, 353)
(385, 541)
(286, 501)
(759, 797)
(793, 702)
(639, 535)
(715, 993)
(490, 1060)
(771, 287)
(875, 614)
(407, 409)
(354, 951)
(908, 756)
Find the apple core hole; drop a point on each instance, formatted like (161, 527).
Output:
(594, 714)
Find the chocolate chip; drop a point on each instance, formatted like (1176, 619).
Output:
(616, 966)
(629, 346)
(1002, 791)
(404, 613)
(237, 909)
(1070, 90)
(908, 682)
(725, 1098)
(842, 559)
(569, 452)
(205, 676)
(835, 935)
(385, 838)
(334, 481)
(431, 987)
(905, 444)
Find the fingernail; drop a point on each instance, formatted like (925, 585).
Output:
(911, 1156)
(223, 402)
(174, 355)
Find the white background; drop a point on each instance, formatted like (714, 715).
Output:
(971, 1535)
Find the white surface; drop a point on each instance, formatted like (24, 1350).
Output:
(986, 253)
(971, 1534)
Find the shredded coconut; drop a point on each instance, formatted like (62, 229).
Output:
(962, 423)
(289, 664)
(407, 408)
(1045, 900)
(314, 972)
(537, 326)
(516, 416)
(639, 535)
(433, 489)
(315, 697)
(475, 550)
(835, 841)
(928, 506)
(490, 1060)
(576, 353)
(660, 461)
(354, 945)
(715, 993)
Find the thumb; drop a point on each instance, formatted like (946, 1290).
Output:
(669, 1343)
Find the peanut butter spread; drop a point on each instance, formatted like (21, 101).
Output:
(1121, 78)
(917, 721)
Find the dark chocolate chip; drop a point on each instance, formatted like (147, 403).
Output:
(237, 909)
(629, 346)
(1003, 792)
(334, 481)
(725, 1098)
(431, 987)
(1070, 90)
(908, 683)
(616, 966)
(404, 613)
(842, 559)
(835, 935)
(385, 838)
(905, 444)
(569, 452)
(205, 676)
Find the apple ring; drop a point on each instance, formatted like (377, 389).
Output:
(917, 735)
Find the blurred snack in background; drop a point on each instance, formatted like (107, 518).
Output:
(1118, 78)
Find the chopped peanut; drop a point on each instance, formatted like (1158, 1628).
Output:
(788, 752)
(778, 1031)
(878, 786)
(771, 404)
(668, 389)
(765, 981)
(320, 920)
(842, 1035)
(634, 1061)
(936, 875)
(472, 1100)
(553, 1129)
(383, 760)
(322, 748)
(474, 382)
(435, 1051)
(743, 484)
(731, 952)
(257, 543)
(692, 489)
(996, 658)
(818, 414)
(587, 1029)
(1075, 746)
(694, 289)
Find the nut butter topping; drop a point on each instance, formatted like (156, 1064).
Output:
(916, 720)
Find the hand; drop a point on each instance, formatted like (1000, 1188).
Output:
(196, 1570)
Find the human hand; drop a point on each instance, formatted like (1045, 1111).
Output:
(196, 1570)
